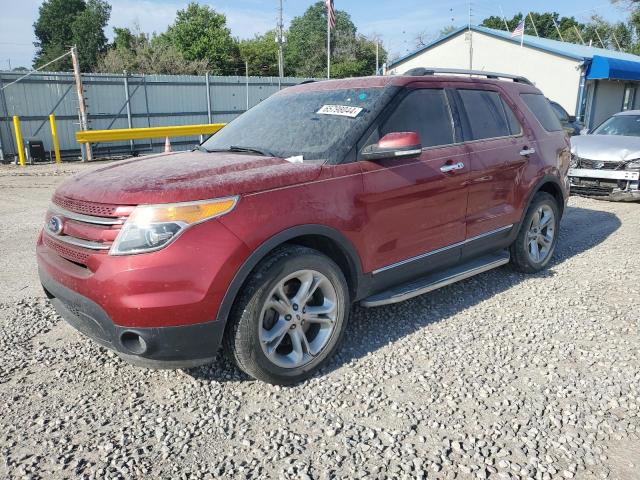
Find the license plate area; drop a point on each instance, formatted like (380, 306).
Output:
(608, 174)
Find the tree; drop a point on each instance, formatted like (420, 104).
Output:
(261, 52)
(306, 52)
(88, 32)
(63, 23)
(544, 24)
(136, 52)
(200, 33)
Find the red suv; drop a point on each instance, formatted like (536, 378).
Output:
(369, 190)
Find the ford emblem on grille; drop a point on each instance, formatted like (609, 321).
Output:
(56, 225)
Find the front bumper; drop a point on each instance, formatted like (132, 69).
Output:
(613, 185)
(159, 347)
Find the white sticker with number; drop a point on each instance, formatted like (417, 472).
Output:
(340, 110)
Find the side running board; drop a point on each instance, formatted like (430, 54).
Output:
(436, 280)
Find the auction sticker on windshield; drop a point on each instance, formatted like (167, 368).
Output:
(340, 110)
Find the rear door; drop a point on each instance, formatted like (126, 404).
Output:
(499, 152)
(415, 211)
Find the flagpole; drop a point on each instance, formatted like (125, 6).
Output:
(328, 44)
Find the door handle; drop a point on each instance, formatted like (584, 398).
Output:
(526, 151)
(452, 167)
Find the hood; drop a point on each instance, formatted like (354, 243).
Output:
(606, 148)
(185, 176)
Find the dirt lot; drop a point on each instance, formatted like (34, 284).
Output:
(500, 376)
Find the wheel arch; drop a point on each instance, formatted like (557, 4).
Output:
(319, 237)
(551, 185)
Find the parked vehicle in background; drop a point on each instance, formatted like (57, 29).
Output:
(605, 163)
(372, 189)
(569, 122)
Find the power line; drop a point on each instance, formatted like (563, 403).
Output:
(34, 71)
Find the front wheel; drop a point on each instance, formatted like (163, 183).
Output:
(533, 248)
(290, 317)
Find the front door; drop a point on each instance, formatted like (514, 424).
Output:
(415, 208)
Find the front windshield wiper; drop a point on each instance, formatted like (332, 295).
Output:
(235, 148)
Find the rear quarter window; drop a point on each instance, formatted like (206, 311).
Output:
(488, 115)
(541, 108)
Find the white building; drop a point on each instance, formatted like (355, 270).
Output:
(591, 82)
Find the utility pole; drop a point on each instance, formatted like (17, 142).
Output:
(377, 55)
(280, 42)
(246, 76)
(84, 122)
(9, 62)
(470, 35)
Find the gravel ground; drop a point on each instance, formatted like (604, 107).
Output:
(500, 376)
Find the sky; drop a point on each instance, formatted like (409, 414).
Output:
(397, 23)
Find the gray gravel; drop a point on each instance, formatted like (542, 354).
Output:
(501, 376)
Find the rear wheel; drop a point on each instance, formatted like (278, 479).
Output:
(536, 241)
(290, 316)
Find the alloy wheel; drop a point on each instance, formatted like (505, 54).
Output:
(298, 318)
(541, 234)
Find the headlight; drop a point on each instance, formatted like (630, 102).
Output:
(573, 163)
(635, 165)
(152, 227)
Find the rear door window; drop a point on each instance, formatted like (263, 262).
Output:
(425, 111)
(488, 116)
(543, 111)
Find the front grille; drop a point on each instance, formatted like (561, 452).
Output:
(86, 208)
(87, 228)
(75, 254)
(598, 165)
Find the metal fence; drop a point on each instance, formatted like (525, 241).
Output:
(124, 101)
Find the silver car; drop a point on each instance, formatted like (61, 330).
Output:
(605, 163)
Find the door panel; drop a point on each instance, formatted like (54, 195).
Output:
(413, 208)
(496, 168)
(495, 139)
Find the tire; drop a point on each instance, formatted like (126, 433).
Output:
(523, 257)
(280, 340)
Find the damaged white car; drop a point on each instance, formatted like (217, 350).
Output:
(605, 163)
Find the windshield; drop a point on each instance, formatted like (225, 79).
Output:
(314, 125)
(626, 125)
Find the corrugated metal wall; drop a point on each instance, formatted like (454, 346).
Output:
(155, 100)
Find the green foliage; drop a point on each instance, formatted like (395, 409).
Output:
(262, 54)
(597, 32)
(351, 53)
(138, 53)
(200, 33)
(63, 23)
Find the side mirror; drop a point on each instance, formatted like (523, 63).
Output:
(584, 131)
(394, 145)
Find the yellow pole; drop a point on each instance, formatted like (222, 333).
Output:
(54, 137)
(19, 145)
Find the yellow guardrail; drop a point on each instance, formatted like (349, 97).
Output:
(97, 136)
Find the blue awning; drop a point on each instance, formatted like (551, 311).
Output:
(605, 68)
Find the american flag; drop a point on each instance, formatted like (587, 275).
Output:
(519, 31)
(331, 13)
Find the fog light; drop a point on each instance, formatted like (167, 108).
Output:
(133, 342)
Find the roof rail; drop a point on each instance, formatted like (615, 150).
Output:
(421, 71)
